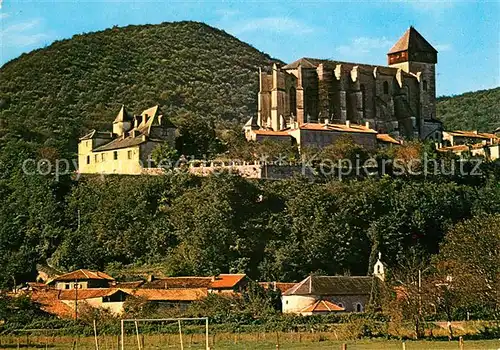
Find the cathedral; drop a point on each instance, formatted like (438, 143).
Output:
(397, 100)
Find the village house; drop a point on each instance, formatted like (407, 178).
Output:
(64, 294)
(473, 143)
(313, 101)
(82, 279)
(324, 294)
(127, 149)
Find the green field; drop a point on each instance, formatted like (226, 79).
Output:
(230, 341)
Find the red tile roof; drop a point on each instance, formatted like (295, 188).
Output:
(83, 274)
(128, 285)
(190, 294)
(270, 133)
(457, 148)
(386, 138)
(472, 134)
(50, 303)
(221, 281)
(322, 306)
(227, 281)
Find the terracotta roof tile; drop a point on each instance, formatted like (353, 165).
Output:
(188, 294)
(457, 148)
(227, 281)
(472, 134)
(270, 133)
(83, 274)
(219, 282)
(323, 306)
(50, 303)
(128, 285)
(386, 138)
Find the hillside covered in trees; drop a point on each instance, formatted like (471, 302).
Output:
(479, 110)
(53, 95)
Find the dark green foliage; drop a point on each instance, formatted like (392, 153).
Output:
(479, 110)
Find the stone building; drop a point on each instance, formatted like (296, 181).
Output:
(398, 99)
(128, 148)
(322, 294)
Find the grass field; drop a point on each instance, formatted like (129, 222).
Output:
(225, 343)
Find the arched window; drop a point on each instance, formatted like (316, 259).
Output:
(340, 304)
(359, 307)
(293, 101)
(386, 87)
(363, 98)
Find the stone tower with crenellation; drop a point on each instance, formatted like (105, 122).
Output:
(413, 54)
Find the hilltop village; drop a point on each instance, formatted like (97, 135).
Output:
(309, 103)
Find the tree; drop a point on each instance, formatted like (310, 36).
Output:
(470, 259)
(165, 156)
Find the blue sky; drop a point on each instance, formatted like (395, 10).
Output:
(466, 33)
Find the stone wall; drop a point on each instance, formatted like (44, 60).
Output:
(254, 171)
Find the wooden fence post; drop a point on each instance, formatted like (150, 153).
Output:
(461, 343)
(344, 346)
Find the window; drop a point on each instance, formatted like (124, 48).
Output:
(129, 154)
(386, 88)
(102, 157)
(88, 159)
(66, 286)
(115, 155)
(359, 307)
(340, 304)
(424, 85)
(95, 158)
(293, 100)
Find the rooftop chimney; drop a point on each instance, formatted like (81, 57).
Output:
(327, 121)
(367, 125)
(348, 123)
(151, 278)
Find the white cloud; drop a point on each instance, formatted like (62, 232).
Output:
(443, 47)
(3, 15)
(363, 45)
(22, 34)
(272, 24)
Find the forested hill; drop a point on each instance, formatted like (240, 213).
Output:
(472, 110)
(53, 94)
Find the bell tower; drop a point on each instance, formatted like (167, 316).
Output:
(413, 54)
